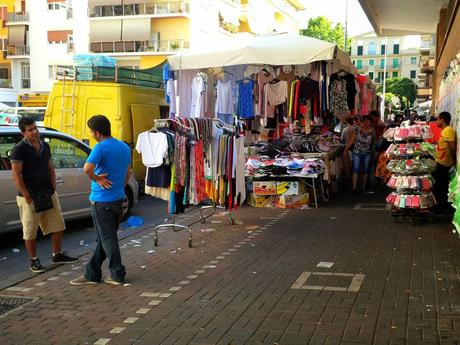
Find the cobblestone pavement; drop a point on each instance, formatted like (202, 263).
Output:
(257, 282)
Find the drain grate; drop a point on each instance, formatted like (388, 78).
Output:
(372, 207)
(9, 303)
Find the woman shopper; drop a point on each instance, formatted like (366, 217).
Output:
(363, 140)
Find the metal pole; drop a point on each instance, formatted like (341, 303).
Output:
(346, 25)
(382, 105)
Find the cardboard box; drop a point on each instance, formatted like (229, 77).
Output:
(261, 201)
(264, 187)
(293, 201)
(287, 188)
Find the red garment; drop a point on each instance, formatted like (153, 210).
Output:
(200, 181)
(436, 132)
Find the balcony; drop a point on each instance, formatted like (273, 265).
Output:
(162, 46)
(17, 18)
(18, 51)
(158, 9)
(6, 84)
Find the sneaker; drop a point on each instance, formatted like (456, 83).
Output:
(82, 281)
(110, 281)
(61, 258)
(36, 266)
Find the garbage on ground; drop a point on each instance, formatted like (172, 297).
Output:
(133, 222)
(4, 258)
(82, 243)
(208, 230)
(135, 241)
(216, 221)
(172, 252)
(150, 251)
(143, 266)
(325, 264)
(15, 250)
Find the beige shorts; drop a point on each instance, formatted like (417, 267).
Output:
(50, 220)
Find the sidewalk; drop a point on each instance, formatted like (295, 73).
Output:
(258, 283)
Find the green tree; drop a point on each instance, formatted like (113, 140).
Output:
(402, 87)
(322, 28)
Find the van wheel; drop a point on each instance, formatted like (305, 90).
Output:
(127, 202)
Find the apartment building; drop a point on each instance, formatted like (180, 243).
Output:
(8, 95)
(142, 33)
(427, 67)
(401, 59)
(42, 34)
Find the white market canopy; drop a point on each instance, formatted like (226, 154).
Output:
(275, 49)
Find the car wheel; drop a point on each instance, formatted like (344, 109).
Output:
(127, 202)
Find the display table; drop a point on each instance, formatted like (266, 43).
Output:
(313, 181)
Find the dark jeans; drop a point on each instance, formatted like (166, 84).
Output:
(441, 186)
(106, 218)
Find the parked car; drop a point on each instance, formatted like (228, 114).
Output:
(68, 156)
(9, 119)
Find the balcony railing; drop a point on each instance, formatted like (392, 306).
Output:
(6, 84)
(17, 17)
(18, 50)
(166, 46)
(157, 8)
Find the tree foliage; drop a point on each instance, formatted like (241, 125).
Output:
(402, 87)
(322, 28)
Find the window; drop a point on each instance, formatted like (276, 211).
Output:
(386, 75)
(371, 62)
(413, 74)
(395, 63)
(396, 48)
(382, 63)
(371, 76)
(380, 77)
(25, 75)
(360, 51)
(53, 6)
(66, 154)
(3, 44)
(4, 13)
(413, 60)
(7, 143)
(382, 49)
(354, 62)
(394, 75)
(372, 48)
(359, 64)
(51, 72)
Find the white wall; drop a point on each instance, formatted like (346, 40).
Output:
(43, 54)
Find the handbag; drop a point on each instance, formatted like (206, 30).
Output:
(43, 201)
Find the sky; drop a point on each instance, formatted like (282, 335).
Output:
(334, 10)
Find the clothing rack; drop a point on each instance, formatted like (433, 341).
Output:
(172, 224)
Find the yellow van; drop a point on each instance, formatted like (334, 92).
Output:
(130, 108)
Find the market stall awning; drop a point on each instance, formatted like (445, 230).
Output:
(406, 17)
(275, 49)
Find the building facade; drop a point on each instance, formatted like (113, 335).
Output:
(395, 56)
(8, 95)
(426, 66)
(42, 34)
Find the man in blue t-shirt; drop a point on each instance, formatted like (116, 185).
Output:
(108, 167)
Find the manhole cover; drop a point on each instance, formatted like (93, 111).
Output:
(372, 207)
(9, 303)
